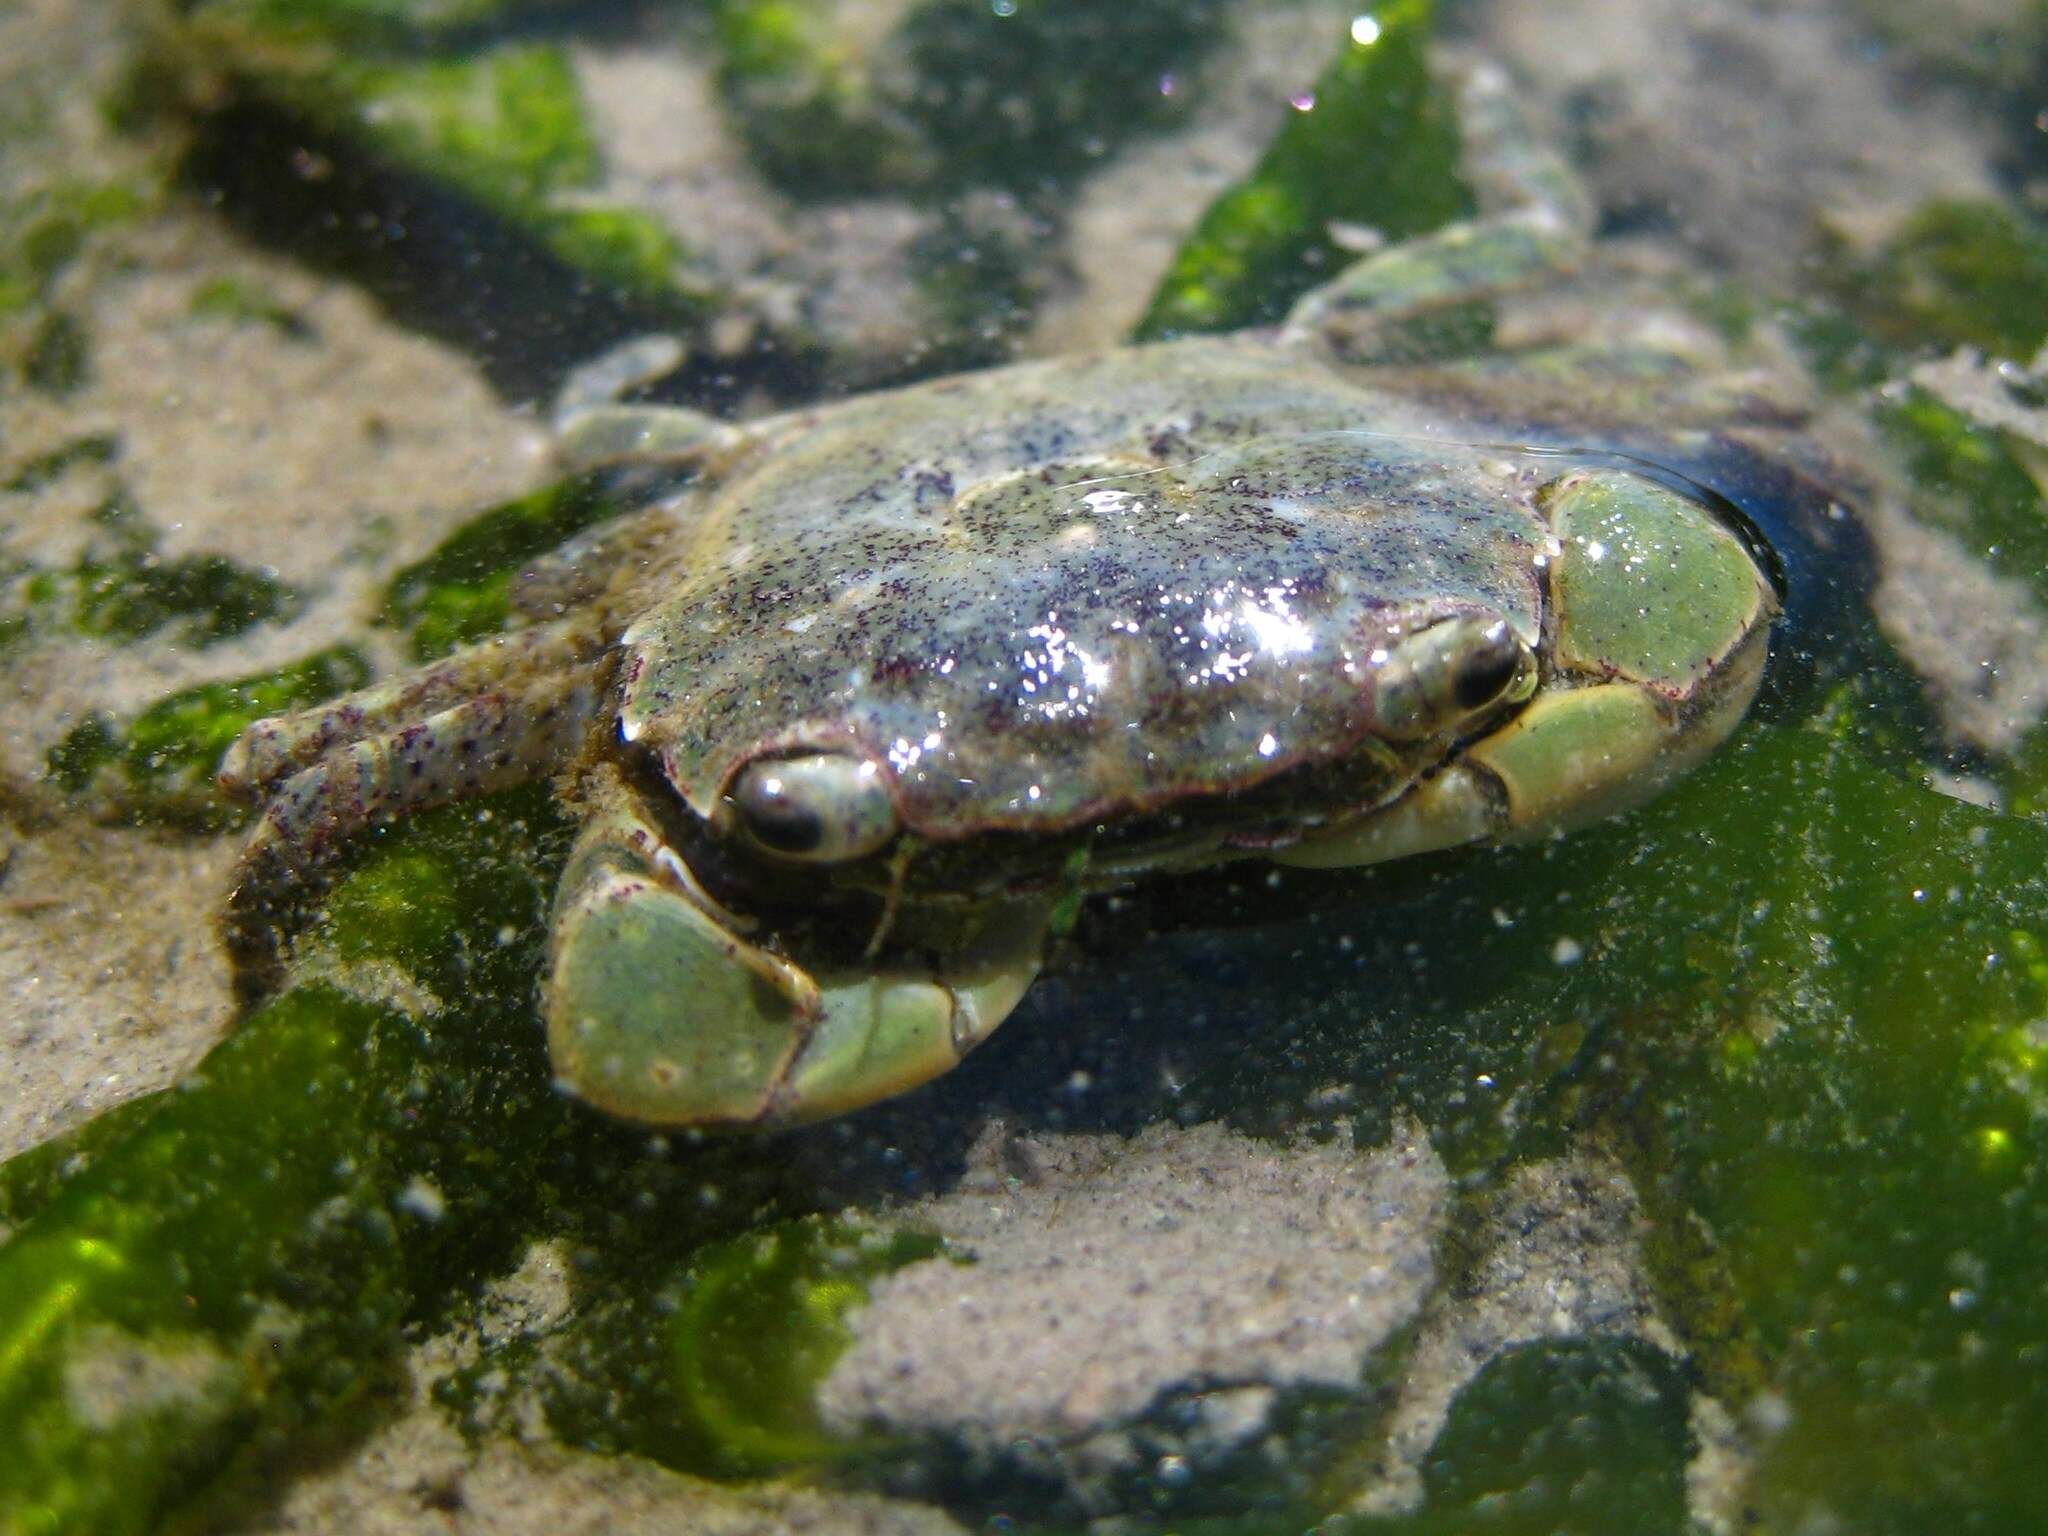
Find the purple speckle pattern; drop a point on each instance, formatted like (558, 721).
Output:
(1075, 589)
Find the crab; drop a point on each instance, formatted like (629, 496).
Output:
(864, 700)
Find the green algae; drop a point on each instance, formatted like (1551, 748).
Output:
(159, 766)
(1800, 998)
(44, 230)
(979, 287)
(244, 303)
(121, 588)
(1973, 479)
(500, 122)
(1984, 484)
(47, 468)
(629, 249)
(254, 1239)
(505, 126)
(58, 358)
(1091, 77)
(389, 24)
(1375, 144)
(1848, 1100)
(983, 115)
(462, 589)
(1958, 273)
(1586, 1436)
(1805, 1022)
(30, 1179)
(132, 1251)
(957, 93)
(2024, 776)
(1842, 357)
(130, 596)
(761, 1321)
(805, 96)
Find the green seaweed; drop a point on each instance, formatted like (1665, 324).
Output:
(126, 1272)
(1586, 1436)
(120, 588)
(237, 1256)
(506, 125)
(42, 231)
(1972, 479)
(246, 303)
(1374, 143)
(2025, 776)
(1844, 1090)
(47, 468)
(456, 614)
(1959, 273)
(59, 356)
(31, 1179)
(1034, 92)
(960, 93)
(1800, 997)
(160, 765)
(461, 590)
(212, 596)
(1842, 357)
(622, 246)
(501, 122)
(760, 1324)
(375, 23)
(979, 287)
(814, 116)
(1841, 958)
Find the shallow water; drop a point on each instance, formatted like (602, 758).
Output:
(1683, 1174)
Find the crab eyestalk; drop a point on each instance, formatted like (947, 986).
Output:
(1662, 620)
(821, 808)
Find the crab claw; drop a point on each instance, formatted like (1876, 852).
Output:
(1662, 620)
(660, 1012)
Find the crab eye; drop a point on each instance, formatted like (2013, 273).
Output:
(1487, 670)
(1438, 677)
(823, 809)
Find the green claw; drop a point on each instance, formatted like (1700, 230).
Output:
(1661, 621)
(657, 1014)
(658, 1011)
(1649, 585)
(879, 1035)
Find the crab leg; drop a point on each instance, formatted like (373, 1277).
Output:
(573, 576)
(494, 741)
(1514, 170)
(593, 428)
(271, 749)
(1533, 224)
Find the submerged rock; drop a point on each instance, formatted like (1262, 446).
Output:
(1149, 1301)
